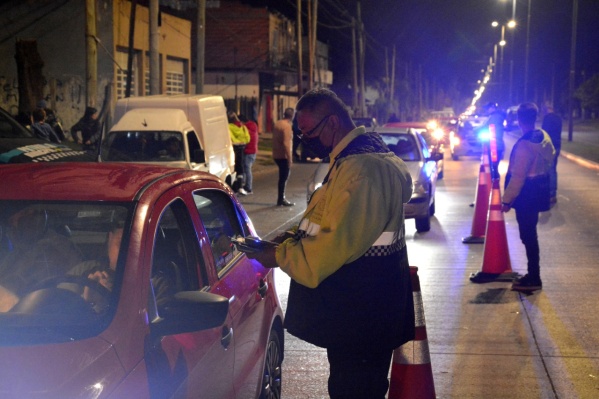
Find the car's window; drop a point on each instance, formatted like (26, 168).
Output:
(403, 145)
(175, 256)
(141, 146)
(10, 128)
(221, 222)
(60, 263)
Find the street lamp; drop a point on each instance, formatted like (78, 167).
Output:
(510, 24)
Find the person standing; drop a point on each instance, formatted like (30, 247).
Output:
(240, 137)
(282, 143)
(40, 128)
(552, 124)
(89, 126)
(527, 189)
(350, 289)
(249, 154)
(496, 118)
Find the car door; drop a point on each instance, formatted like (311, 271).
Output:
(241, 280)
(189, 365)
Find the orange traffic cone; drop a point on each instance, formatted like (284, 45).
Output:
(479, 221)
(411, 372)
(496, 255)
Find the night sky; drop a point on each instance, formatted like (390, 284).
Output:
(452, 40)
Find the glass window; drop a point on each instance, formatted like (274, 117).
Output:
(143, 146)
(175, 256)
(60, 266)
(403, 145)
(221, 222)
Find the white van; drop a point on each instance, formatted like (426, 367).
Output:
(183, 131)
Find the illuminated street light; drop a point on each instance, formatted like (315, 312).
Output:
(510, 24)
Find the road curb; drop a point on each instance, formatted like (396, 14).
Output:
(581, 161)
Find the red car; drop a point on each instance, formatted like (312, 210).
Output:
(121, 281)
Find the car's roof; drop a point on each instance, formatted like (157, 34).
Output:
(405, 125)
(393, 130)
(86, 181)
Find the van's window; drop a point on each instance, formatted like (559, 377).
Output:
(194, 145)
(221, 222)
(136, 146)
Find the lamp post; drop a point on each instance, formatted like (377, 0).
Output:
(510, 24)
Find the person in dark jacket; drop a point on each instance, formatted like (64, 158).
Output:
(527, 190)
(350, 288)
(89, 126)
(52, 119)
(552, 124)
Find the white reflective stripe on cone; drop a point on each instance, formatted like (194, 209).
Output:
(418, 309)
(413, 352)
(495, 215)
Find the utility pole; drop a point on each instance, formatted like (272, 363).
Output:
(130, 52)
(299, 49)
(201, 46)
(91, 53)
(572, 71)
(392, 85)
(313, 44)
(154, 51)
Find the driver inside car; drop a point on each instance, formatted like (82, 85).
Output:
(33, 252)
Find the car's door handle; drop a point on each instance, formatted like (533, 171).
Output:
(227, 337)
(262, 288)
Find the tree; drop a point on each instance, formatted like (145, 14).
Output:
(588, 95)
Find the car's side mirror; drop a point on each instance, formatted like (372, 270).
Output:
(190, 311)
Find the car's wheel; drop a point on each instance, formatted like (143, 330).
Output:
(440, 175)
(271, 377)
(455, 157)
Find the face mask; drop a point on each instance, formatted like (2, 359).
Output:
(315, 145)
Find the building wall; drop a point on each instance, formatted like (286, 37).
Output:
(58, 27)
(174, 45)
(236, 36)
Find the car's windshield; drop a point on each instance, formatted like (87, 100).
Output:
(58, 264)
(140, 146)
(9, 128)
(403, 145)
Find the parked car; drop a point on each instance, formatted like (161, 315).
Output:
(19, 145)
(171, 309)
(367, 122)
(434, 134)
(411, 147)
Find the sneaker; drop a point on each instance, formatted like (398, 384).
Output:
(527, 283)
(248, 191)
(241, 191)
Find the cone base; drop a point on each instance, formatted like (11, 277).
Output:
(473, 240)
(482, 277)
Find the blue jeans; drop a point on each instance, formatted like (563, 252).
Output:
(248, 162)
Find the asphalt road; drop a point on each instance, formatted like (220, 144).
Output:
(485, 340)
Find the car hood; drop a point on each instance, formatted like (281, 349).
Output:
(82, 369)
(24, 150)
